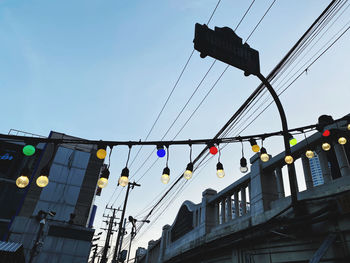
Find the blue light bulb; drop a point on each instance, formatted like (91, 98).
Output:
(161, 152)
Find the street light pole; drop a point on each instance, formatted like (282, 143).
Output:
(115, 255)
(291, 168)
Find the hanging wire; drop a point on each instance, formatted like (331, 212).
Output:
(190, 152)
(242, 149)
(219, 153)
(109, 156)
(167, 155)
(127, 161)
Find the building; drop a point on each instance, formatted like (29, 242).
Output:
(54, 223)
(316, 172)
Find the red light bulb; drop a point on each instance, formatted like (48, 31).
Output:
(326, 133)
(213, 150)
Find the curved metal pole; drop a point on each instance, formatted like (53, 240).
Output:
(291, 168)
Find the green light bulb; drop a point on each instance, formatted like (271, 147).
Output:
(293, 141)
(28, 150)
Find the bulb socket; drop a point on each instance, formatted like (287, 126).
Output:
(166, 170)
(189, 167)
(125, 172)
(219, 166)
(243, 162)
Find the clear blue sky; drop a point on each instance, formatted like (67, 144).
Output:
(103, 69)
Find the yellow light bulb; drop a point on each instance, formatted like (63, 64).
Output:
(264, 157)
(165, 178)
(288, 159)
(309, 154)
(101, 154)
(342, 140)
(349, 126)
(123, 181)
(255, 148)
(42, 181)
(102, 182)
(22, 181)
(188, 174)
(220, 173)
(326, 146)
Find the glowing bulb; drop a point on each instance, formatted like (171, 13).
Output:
(42, 181)
(123, 181)
(288, 159)
(165, 178)
(188, 174)
(161, 152)
(213, 150)
(102, 182)
(101, 154)
(309, 154)
(243, 169)
(349, 127)
(22, 181)
(342, 140)
(293, 141)
(326, 133)
(326, 146)
(255, 148)
(263, 155)
(220, 170)
(28, 150)
(189, 171)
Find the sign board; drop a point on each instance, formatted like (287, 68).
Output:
(223, 44)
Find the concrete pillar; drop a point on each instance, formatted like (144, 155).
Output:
(279, 182)
(342, 159)
(322, 156)
(229, 208)
(236, 204)
(244, 201)
(163, 243)
(210, 212)
(307, 172)
(223, 211)
(263, 187)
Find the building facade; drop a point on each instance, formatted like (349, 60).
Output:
(54, 223)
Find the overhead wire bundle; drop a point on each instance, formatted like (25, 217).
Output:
(315, 29)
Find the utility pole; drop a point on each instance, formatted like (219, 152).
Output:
(95, 253)
(130, 185)
(133, 232)
(122, 237)
(109, 233)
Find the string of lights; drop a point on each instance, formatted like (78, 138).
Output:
(277, 70)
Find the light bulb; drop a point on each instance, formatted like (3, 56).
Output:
(243, 163)
(293, 141)
(188, 174)
(243, 169)
(220, 170)
(28, 150)
(326, 133)
(309, 154)
(123, 181)
(342, 140)
(189, 171)
(349, 127)
(161, 152)
(22, 181)
(288, 159)
(213, 150)
(101, 154)
(42, 181)
(326, 146)
(255, 148)
(102, 182)
(165, 178)
(264, 157)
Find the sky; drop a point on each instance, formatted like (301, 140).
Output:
(103, 70)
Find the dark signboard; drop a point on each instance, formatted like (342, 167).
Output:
(223, 44)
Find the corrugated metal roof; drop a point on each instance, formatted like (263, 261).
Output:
(9, 246)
